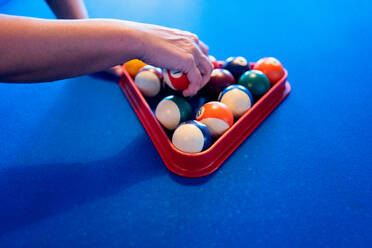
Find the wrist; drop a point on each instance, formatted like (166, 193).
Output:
(133, 40)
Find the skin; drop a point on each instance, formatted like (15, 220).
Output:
(75, 9)
(39, 50)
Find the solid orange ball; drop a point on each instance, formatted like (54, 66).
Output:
(133, 66)
(271, 67)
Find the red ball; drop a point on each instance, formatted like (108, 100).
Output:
(218, 64)
(220, 79)
(177, 80)
(271, 67)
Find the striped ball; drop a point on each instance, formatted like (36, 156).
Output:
(237, 98)
(216, 116)
(191, 137)
(149, 80)
(176, 80)
(173, 110)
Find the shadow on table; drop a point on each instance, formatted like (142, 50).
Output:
(190, 181)
(32, 192)
(106, 76)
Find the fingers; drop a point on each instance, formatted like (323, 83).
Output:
(116, 70)
(204, 65)
(179, 50)
(200, 53)
(204, 48)
(194, 76)
(199, 71)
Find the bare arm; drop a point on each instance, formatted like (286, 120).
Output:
(68, 9)
(34, 50)
(37, 50)
(75, 9)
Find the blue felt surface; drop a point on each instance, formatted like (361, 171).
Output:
(73, 171)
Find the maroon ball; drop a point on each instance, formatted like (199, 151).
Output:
(220, 79)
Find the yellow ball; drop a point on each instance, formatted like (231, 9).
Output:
(133, 66)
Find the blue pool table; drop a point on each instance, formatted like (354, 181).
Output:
(77, 168)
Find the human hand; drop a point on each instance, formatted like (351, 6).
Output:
(176, 50)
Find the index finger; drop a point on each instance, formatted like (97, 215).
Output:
(204, 48)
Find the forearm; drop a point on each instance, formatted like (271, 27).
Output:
(35, 50)
(68, 9)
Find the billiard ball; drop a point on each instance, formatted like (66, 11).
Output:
(237, 66)
(149, 80)
(271, 67)
(177, 80)
(216, 63)
(196, 102)
(256, 82)
(237, 98)
(216, 116)
(173, 110)
(133, 66)
(191, 137)
(220, 79)
(211, 58)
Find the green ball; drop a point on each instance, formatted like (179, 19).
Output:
(256, 82)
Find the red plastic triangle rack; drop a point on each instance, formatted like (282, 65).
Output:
(206, 162)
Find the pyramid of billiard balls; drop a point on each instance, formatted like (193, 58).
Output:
(195, 122)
